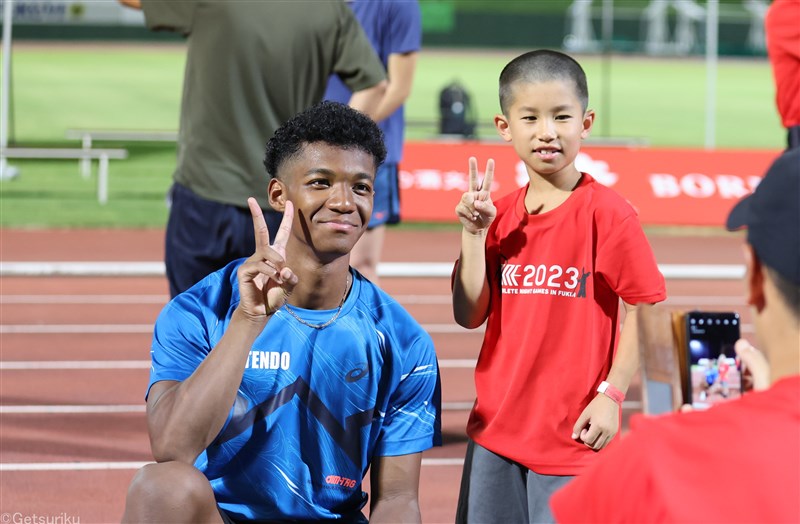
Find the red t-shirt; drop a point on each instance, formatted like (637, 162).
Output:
(556, 280)
(739, 461)
(782, 26)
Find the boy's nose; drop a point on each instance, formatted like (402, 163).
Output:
(547, 130)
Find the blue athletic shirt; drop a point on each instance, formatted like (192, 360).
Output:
(392, 26)
(314, 405)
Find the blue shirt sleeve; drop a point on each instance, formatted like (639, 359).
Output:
(413, 419)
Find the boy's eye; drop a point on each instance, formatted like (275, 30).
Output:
(318, 182)
(563, 117)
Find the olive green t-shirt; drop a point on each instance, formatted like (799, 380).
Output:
(252, 65)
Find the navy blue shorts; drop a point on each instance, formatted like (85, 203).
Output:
(386, 207)
(203, 236)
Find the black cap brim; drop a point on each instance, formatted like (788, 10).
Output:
(738, 217)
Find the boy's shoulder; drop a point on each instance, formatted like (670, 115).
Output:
(607, 199)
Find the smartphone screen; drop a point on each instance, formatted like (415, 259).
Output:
(714, 373)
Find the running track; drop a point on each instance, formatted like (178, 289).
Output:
(74, 356)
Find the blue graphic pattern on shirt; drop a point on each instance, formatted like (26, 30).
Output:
(314, 405)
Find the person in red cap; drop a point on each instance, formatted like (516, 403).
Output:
(660, 471)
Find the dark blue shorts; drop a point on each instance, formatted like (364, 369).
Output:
(386, 207)
(203, 236)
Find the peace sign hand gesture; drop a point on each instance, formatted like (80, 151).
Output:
(264, 279)
(476, 210)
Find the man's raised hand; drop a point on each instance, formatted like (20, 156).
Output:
(264, 279)
(476, 211)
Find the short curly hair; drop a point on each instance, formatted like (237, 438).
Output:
(329, 122)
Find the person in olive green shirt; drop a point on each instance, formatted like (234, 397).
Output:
(250, 67)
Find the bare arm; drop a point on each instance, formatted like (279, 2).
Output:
(476, 213)
(133, 4)
(394, 484)
(184, 417)
(599, 421)
(400, 70)
(367, 100)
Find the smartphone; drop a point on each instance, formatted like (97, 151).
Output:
(714, 372)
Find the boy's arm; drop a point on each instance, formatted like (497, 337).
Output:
(476, 212)
(394, 482)
(599, 422)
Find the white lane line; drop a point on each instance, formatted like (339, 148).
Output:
(385, 269)
(163, 299)
(70, 409)
(9, 365)
(37, 329)
(722, 300)
(73, 364)
(50, 409)
(94, 466)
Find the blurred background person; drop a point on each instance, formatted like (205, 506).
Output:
(250, 67)
(394, 28)
(782, 26)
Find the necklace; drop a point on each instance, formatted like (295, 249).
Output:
(332, 319)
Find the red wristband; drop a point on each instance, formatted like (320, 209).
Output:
(611, 392)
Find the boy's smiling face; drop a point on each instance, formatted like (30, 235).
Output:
(546, 124)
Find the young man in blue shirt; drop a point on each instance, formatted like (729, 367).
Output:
(278, 380)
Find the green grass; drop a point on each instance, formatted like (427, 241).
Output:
(57, 87)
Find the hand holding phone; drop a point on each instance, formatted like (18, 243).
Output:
(714, 371)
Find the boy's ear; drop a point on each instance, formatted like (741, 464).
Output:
(503, 129)
(754, 279)
(588, 122)
(276, 192)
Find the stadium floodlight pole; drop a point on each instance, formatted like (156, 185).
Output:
(7, 16)
(712, 58)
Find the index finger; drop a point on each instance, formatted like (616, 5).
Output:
(260, 229)
(284, 229)
(488, 177)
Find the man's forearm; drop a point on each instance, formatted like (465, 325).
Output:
(186, 419)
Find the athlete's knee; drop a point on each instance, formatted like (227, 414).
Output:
(169, 492)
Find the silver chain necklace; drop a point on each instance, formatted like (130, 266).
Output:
(332, 319)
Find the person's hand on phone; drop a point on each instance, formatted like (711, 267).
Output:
(755, 368)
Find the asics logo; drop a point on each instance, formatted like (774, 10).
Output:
(356, 374)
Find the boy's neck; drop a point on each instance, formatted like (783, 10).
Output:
(546, 193)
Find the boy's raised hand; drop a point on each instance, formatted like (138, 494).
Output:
(264, 279)
(476, 211)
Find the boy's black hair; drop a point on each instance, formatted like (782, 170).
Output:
(542, 65)
(329, 122)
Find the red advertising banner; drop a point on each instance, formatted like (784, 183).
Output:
(667, 186)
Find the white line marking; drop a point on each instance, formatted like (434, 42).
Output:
(722, 300)
(94, 466)
(73, 364)
(385, 269)
(148, 328)
(71, 409)
(23, 365)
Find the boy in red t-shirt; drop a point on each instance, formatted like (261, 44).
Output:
(545, 267)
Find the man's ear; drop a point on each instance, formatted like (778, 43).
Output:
(754, 278)
(276, 191)
(501, 123)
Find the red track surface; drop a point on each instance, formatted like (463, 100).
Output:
(97, 495)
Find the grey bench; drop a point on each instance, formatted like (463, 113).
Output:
(86, 136)
(102, 156)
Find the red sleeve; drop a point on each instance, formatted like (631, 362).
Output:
(616, 488)
(627, 264)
